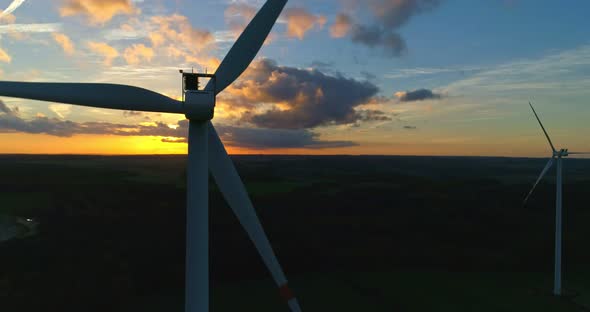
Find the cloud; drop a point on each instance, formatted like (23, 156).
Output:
(426, 71)
(11, 8)
(106, 51)
(375, 36)
(321, 66)
(30, 28)
(563, 72)
(395, 14)
(372, 115)
(300, 21)
(260, 138)
(178, 39)
(41, 124)
(389, 16)
(172, 38)
(232, 136)
(417, 95)
(66, 44)
(129, 114)
(176, 29)
(4, 56)
(98, 11)
(138, 53)
(342, 26)
(238, 15)
(368, 75)
(300, 98)
(8, 19)
(126, 31)
(61, 110)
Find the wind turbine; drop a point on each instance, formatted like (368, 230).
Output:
(559, 155)
(206, 152)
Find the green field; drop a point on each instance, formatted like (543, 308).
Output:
(353, 234)
(396, 291)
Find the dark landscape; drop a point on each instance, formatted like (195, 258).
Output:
(353, 233)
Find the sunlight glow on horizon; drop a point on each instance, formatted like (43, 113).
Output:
(442, 89)
(133, 145)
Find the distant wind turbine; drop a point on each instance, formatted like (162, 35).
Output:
(206, 152)
(559, 155)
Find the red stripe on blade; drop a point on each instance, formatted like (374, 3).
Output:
(286, 292)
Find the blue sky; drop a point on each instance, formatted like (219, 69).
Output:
(480, 61)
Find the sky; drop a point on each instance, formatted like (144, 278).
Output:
(379, 77)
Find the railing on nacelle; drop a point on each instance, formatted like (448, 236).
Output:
(198, 95)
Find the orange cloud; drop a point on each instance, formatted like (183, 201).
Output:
(8, 18)
(65, 43)
(138, 53)
(341, 27)
(97, 11)
(300, 21)
(180, 40)
(209, 63)
(4, 57)
(171, 39)
(177, 29)
(238, 16)
(106, 51)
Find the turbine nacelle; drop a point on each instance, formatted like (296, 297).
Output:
(564, 152)
(198, 101)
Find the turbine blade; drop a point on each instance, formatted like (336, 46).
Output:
(111, 96)
(547, 167)
(231, 186)
(248, 44)
(542, 127)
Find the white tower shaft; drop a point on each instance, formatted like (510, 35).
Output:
(558, 229)
(197, 220)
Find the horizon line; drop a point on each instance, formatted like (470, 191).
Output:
(283, 155)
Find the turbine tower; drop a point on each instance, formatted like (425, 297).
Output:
(556, 155)
(206, 152)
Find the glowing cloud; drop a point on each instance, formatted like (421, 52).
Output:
(98, 11)
(106, 51)
(341, 27)
(4, 57)
(64, 41)
(11, 8)
(137, 54)
(300, 21)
